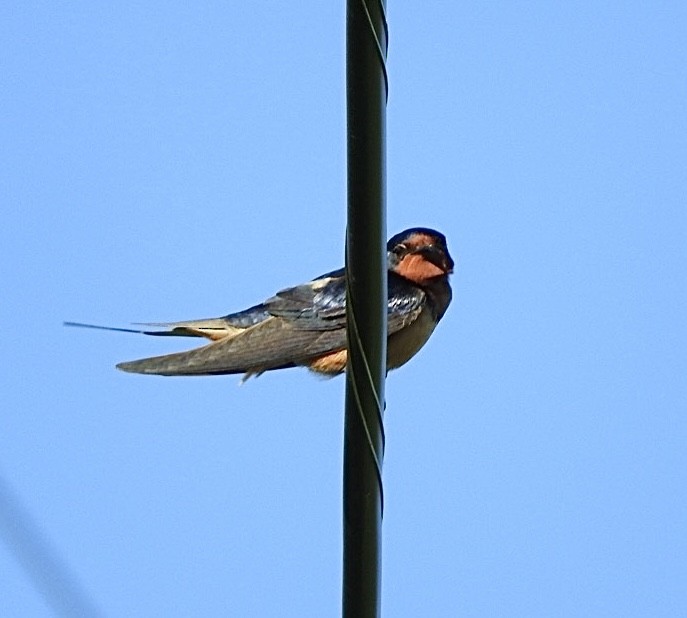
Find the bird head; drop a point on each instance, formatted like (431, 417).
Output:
(419, 254)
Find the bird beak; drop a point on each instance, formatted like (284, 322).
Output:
(438, 257)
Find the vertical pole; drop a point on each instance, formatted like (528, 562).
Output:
(366, 264)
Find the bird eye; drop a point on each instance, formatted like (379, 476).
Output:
(400, 248)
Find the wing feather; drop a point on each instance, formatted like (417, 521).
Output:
(294, 327)
(271, 344)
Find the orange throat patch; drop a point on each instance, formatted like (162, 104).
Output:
(416, 268)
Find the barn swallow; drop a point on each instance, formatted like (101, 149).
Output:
(306, 325)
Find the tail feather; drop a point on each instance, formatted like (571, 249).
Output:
(116, 329)
(213, 328)
(271, 344)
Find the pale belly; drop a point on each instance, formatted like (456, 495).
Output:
(404, 344)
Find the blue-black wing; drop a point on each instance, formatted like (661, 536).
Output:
(305, 322)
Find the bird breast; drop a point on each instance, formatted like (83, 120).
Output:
(405, 343)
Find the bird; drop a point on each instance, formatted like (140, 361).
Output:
(305, 325)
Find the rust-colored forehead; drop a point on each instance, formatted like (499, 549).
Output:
(416, 237)
(421, 239)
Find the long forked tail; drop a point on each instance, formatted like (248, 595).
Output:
(119, 330)
(211, 328)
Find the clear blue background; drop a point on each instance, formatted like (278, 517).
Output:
(164, 161)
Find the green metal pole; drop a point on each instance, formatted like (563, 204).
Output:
(366, 263)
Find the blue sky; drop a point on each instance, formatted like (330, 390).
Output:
(166, 161)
